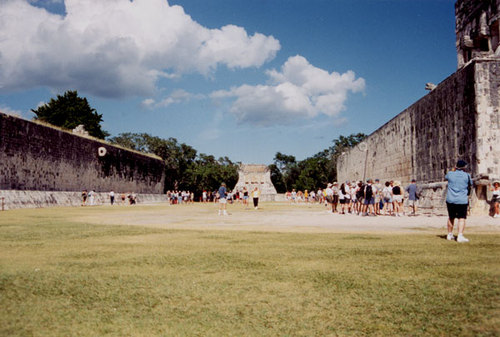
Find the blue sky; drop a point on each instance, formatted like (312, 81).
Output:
(237, 78)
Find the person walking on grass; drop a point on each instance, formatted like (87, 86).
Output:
(496, 198)
(84, 197)
(255, 196)
(112, 197)
(245, 197)
(457, 201)
(222, 199)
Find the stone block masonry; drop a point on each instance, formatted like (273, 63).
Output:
(252, 176)
(36, 157)
(460, 119)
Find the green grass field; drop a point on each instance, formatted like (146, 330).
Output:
(60, 277)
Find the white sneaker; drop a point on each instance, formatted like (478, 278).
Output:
(462, 238)
(450, 237)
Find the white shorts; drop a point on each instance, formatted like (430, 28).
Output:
(222, 201)
(412, 203)
(397, 198)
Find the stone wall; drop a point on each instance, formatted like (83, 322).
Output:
(251, 176)
(457, 120)
(487, 92)
(477, 29)
(35, 157)
(12, 199)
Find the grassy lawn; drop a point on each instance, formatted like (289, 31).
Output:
(59, 277)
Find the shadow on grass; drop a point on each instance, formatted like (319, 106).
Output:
(444, 236)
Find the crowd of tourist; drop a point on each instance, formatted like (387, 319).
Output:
(176, 197)
(223, 196)
(90, 198)
(370, 198)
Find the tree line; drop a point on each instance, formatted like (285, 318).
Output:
(185, 168)
(313, 172)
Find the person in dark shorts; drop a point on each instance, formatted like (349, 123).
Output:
(84, 197)
(457, 200)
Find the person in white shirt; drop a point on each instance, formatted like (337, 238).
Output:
(329, 195)
(255, 196)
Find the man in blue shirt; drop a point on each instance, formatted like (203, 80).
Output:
(457, 200)
(222, 199)
(413, 195)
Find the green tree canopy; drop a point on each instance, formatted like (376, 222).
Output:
(313, 172)
(185, 169)
(68, 111)
(343, 143)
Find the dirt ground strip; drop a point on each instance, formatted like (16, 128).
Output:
(277, 217)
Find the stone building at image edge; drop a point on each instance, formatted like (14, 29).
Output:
(458, 119)
(252, 176)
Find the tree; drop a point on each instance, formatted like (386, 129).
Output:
(288, 170)
(277, 178)
(185, 169)
(313, 172)
(68, 111)
(343, 143)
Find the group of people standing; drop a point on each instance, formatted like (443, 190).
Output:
(176, 197)
(371, 198)
(90, 198)
(222, 196)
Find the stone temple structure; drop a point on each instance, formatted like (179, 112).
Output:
(251, 176)
(458, 119)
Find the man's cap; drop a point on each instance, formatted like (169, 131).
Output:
(461, 164)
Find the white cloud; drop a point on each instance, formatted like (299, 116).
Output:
(9, 111)
(148, 103)
(176, 97)
(47, 1)
(41, 103)
(299, 90)
(116, 47)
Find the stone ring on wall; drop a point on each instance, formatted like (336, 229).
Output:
(101, 151)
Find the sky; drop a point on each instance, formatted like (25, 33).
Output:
(238, 78)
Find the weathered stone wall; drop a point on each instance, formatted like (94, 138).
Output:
(12, 199)
(477, 29)
(457, 120)
(251, 176)
(42, 158)
(423, 141)
(487, 91)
